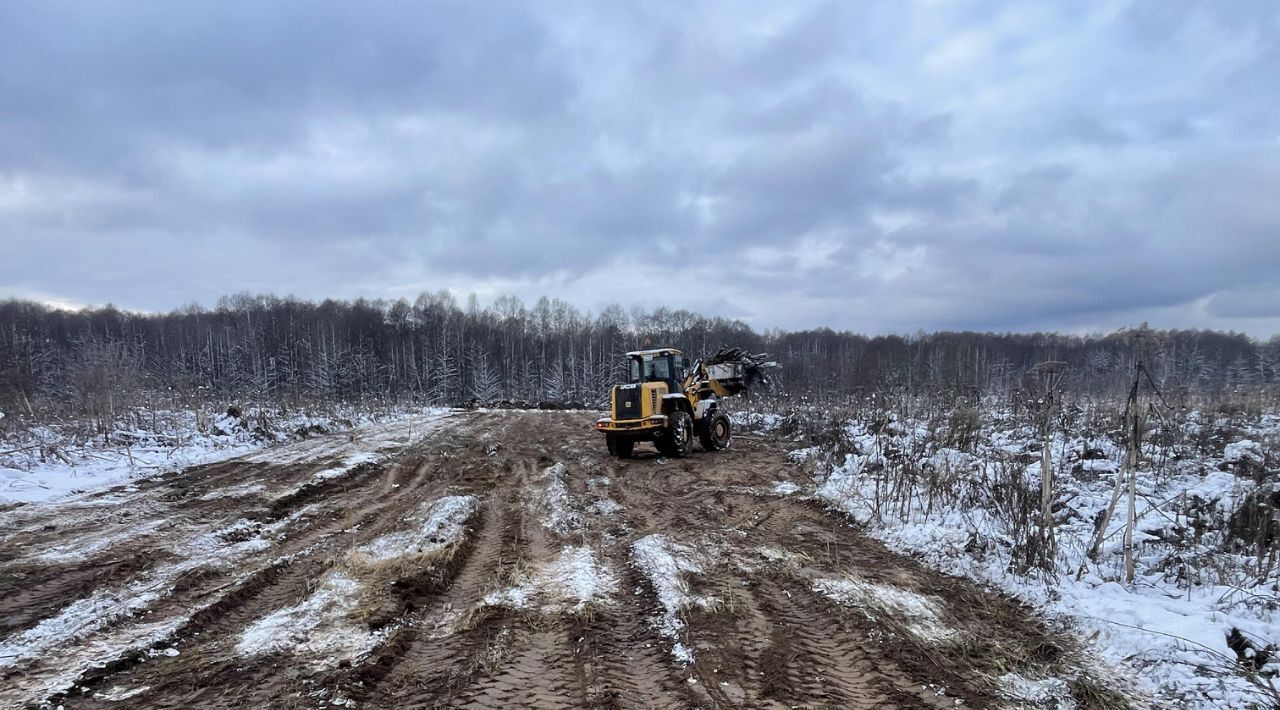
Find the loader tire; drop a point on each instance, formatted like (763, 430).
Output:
(619, 446)
(717, 434)
(677, 440)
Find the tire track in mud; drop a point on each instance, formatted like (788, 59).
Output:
(31, 593)
(767, 639)
(448, 646)
(195, 492)
(736, 656)
(521, 658)
(314, 553)
(537, 672)
(427, 659)
(770, 644)
(488, 661)
(632, 666)
(834, 662)
(82, 556)
(229, 591)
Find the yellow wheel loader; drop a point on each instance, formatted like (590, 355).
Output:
(669, 401)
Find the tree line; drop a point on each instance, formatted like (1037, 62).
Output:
(265, 349)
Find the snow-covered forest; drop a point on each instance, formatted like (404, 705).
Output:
(268, 350)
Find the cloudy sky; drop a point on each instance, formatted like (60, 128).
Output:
(875, 166)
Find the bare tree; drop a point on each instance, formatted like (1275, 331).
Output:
(1048, 396)
(485, 386)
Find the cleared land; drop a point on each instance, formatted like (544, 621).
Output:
(502, 559)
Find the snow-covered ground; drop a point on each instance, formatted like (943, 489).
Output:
(325, 626)
(441, 525)
(920, 614)
(51, 463)
(667, 563)
(570, 582)
(116, 620)
(558, 514)
(1167, 631)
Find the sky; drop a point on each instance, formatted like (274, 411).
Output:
(881, 167)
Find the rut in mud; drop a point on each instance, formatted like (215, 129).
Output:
(487, 560)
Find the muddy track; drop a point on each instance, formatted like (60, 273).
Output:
(535, 596)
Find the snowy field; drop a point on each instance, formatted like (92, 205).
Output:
(497, 559)
(53, 462)
(1197, 624)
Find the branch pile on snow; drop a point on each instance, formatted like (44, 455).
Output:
(1245, 451)
(665, 563)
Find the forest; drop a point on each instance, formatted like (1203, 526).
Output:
(265, 349)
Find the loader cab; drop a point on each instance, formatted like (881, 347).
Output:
(664, 365)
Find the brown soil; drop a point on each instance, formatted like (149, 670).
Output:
(768, 640)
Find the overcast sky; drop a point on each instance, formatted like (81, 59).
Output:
(874, 166)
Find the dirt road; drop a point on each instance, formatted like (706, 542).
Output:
(486, 560)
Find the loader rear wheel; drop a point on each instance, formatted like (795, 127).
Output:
(677, 440)
(619, 446)
(717, 434)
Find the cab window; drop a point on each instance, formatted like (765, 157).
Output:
(659, 368)
(650, 368)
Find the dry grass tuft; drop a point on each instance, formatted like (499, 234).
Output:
(1091, 695)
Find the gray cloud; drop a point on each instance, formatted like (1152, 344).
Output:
(883, 167)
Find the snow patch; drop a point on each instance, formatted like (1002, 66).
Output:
(919, 613)
(1049, 693)
(665, 563)
(1243, 451)
(775, 554)
(1165, 633)
(785, 488)
(560, 517)
(443, 525)
(571, 581)
(87, 548)
(319, 625)
(116, 693)
(364, 444)
(241, 491)
(802, 455)
(109, 624)
(47, 463)
(104, 607)
(604, 507)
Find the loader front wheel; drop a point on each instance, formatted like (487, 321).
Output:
(619, 446)
(677, 440)
(717, 434)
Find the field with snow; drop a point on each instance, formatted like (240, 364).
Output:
(49, 462)
(1196, 627)
(501, 559)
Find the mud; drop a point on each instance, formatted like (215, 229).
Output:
(151, 595)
